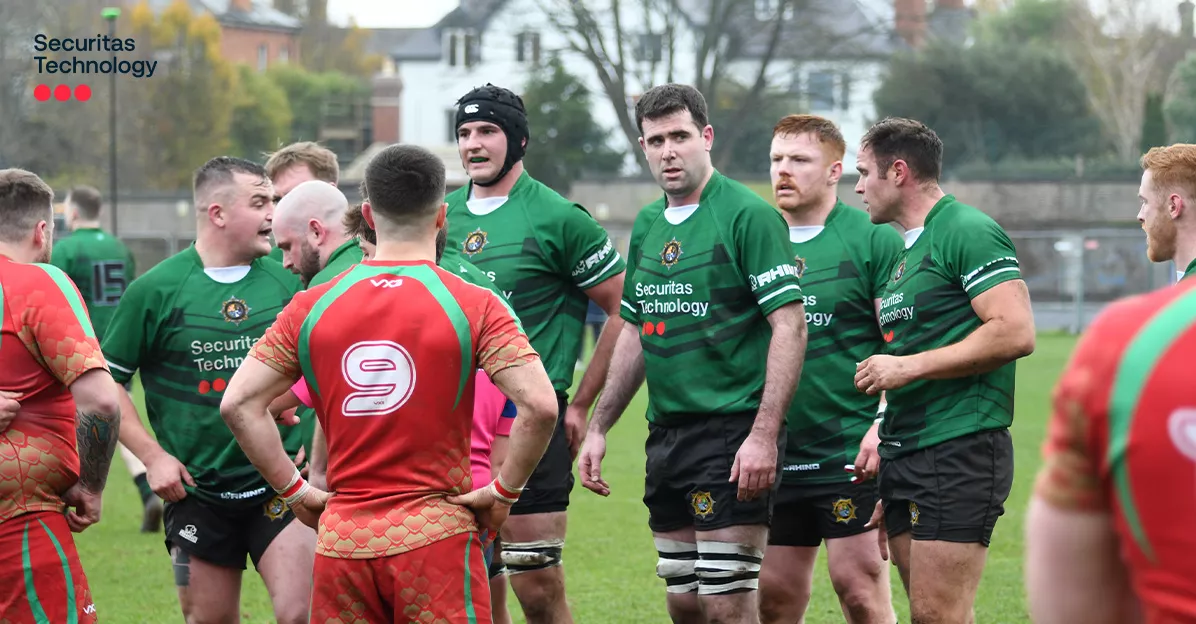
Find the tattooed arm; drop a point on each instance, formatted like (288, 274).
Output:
(97, 429)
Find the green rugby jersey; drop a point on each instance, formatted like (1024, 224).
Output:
(926, 305)
(452, 260)
(543, 252)
(275, 255)
(843, 266)
(101, 267)
(700, 282)
(188, 333)
(1190, 271)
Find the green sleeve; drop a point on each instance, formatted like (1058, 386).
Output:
(885, 249)
(587, 253)
(131, 331)
(979, 254)
(130, 265)
(628, 309)
(764, 255)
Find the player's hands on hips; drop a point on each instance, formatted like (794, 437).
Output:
(883, 372)
(309, 508)
(9, 406)
(755, 466)
(589, 464)
(575, 427)
(490, 512)
(82, 507)
(867, 462)
(166, 476)
(877, 521)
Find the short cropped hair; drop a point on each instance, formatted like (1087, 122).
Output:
(823, 129)
(897, 138)
(25, 199)
(87, 201)
(320, 160)
(664, 100)
(220, 171)
(355, 225)
(405, 183)
(1172, 168)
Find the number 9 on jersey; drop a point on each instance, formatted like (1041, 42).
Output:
(383, 374)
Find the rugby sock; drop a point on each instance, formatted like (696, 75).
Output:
(143, 487)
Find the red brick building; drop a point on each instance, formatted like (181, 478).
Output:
(252, 31)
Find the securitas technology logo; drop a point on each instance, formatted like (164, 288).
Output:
(94, 56)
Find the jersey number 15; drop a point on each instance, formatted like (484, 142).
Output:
(382, 373)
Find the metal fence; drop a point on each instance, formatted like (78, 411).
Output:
(1073, 273)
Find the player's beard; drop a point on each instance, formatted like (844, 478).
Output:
(1161, 236)
(309, 263)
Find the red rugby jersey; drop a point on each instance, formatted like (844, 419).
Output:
(389, 351)
(1122, 440)
(46, 343)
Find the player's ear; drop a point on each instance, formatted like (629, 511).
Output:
(216, 215)
(367, 215)
(316, 231)
(836, 173)
(708, 136)
(43, 234)
(1176, 205)
(441, 215)
(900, 170)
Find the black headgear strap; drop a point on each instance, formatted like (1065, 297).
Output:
(500, 107)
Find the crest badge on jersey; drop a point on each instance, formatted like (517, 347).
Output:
(274, 508)
(234, 311)
(671, 253)
(801, 266)
(914, 513)
(703, 503)
(474, 243)
(844, 510)
(900, 271)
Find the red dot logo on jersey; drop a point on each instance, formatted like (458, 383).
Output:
(62, 93)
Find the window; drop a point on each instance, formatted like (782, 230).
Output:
(284, 54)
(527, 48)
(263, 57)
(649, 47)
(844, 91)
(464, 48)
(451, 42)
(821, 91)
(473, 49)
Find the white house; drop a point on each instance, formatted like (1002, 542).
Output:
(831, 54)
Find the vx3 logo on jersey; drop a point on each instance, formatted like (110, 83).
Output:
(387, 283)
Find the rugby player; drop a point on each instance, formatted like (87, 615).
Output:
(395, 397)
(1167, 215)
(102, 267)
(60, 416)
(186, 324)
(843, 262)
(956, 316)
(295, 164)
(548, 256)
(716, 326)
(1120, 444)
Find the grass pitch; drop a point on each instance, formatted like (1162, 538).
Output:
(609, 556)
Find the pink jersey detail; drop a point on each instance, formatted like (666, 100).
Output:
(302, 392)
(488, 403)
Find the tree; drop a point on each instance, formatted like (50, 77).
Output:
(314, 96)
(1154, 123)
(1116, 52)
(1180, 104)
(565, 141)
(186, 110)
(261, 116)
(992, 101)
(328, 48)
(635, 44)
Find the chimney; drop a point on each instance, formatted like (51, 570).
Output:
(244, 6)
(1185, 19)
(910, 21)
(386, 110)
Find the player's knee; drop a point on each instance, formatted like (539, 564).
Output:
(727, 568)
(780, 601)
(675, 564)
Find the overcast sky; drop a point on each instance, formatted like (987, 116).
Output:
(389, 13)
